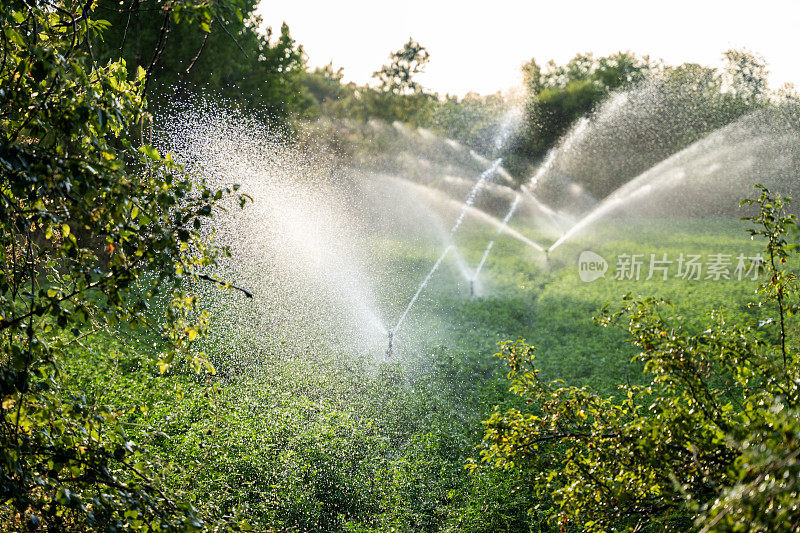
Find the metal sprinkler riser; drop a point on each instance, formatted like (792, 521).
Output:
(389, 348)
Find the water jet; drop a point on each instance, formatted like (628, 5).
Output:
(489, 246)
(474, 192)
(421, 286)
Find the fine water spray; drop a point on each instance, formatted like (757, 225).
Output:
(489, 246)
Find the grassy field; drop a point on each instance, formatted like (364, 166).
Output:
(330, 441)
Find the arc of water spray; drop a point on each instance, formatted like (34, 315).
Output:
(635, 188)
(474, 211)
(419, 290)
(555, 217)
(603, 209)
(640, 186)
(480, 264)
(488, 249)
(474, 192)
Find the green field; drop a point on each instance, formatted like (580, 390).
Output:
(323, 440)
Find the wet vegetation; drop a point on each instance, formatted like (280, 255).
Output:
(329, 442)
(202, 260)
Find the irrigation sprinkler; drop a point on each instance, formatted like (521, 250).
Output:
(389, 348)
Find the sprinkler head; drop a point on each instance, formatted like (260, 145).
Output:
(471, 289)
(389, 349)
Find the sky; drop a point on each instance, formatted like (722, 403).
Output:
(480, 46)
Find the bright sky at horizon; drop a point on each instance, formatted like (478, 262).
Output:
(480, 46)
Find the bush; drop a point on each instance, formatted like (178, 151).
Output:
(92, 225)
(710, 442)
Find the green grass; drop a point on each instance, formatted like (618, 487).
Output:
(326, 441)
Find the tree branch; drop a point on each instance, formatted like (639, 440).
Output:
(196, 57)
(205, 277)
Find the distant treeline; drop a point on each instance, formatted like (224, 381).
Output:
(266, 72)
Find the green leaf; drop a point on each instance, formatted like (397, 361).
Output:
(14, 36)
(151, 152)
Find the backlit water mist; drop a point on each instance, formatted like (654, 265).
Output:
(315, 245)
(489, 246)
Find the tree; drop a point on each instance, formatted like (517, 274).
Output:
(559, 95)
(710, 443)
(326, 88)
(399, 96)
(94, 225)
(747, 75)
(397, 77)
(224, 54)
(532, 77)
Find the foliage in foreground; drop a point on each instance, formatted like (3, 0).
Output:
(711, 443)
(92, 226)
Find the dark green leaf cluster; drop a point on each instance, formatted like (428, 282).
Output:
(214, 48)
(94, 224)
